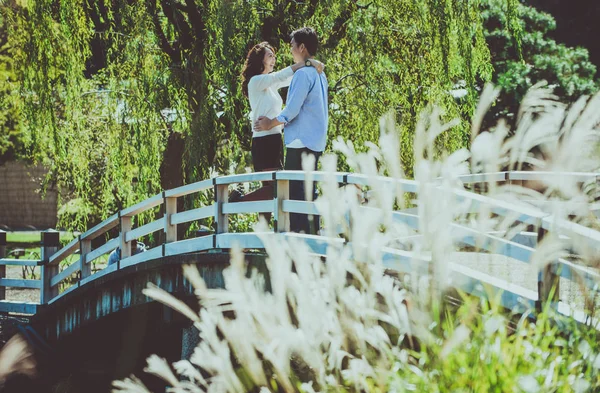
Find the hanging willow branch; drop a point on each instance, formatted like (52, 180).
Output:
(186, 57)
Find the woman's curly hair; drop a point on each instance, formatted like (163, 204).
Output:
(254, 64)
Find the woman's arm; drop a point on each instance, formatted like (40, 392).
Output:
(315, 63)
(295, 67)
(281, 78)
(264, 81)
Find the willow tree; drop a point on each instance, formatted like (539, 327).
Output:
(149, 90)
(11, 143)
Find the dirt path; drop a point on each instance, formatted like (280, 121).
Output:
(21, 294)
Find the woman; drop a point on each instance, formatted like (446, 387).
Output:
(260, 85)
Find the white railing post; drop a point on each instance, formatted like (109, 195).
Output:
(282, 193)
(50, 245)
(170, 209)
(85, 246)
(221, 197)
(548, 280)
(124, 246)
(2, 267)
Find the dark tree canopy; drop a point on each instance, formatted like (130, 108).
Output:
(576, 23)
(568, 69)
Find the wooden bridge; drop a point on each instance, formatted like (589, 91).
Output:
(90, 296)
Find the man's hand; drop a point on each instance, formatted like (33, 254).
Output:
(263, 124)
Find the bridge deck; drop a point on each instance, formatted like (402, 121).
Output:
(496, 265)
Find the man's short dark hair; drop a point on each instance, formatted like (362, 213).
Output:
(308, 37)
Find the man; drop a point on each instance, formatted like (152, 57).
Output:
(305, 119)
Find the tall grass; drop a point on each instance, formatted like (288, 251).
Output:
(349, 325)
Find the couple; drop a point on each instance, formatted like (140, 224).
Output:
(304, 117)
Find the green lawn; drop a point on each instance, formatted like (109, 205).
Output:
(33, 236)
(26, 240)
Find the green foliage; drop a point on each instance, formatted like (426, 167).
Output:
(11, 143)
(34, 237)
(566, 68)
(110, 87)
(484, 352)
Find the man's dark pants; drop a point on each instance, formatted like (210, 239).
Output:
(293, 162)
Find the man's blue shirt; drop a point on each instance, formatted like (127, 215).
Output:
(305, 115)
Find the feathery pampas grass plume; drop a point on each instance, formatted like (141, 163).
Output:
(344, 324)
(16, 357)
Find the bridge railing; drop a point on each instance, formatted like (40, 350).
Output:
(281, 206)
(50, 244)
(530, 178)
(526, 176)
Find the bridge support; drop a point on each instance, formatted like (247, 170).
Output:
(85, 247)
(282, 218)
(221, 197)
(190, 338)
(125, 246)
(2, 267)
(170, 209)
(50, 245)
(548, 279)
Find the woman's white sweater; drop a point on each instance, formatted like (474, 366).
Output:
(265, 99)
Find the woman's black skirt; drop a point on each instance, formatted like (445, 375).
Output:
(267, 152)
